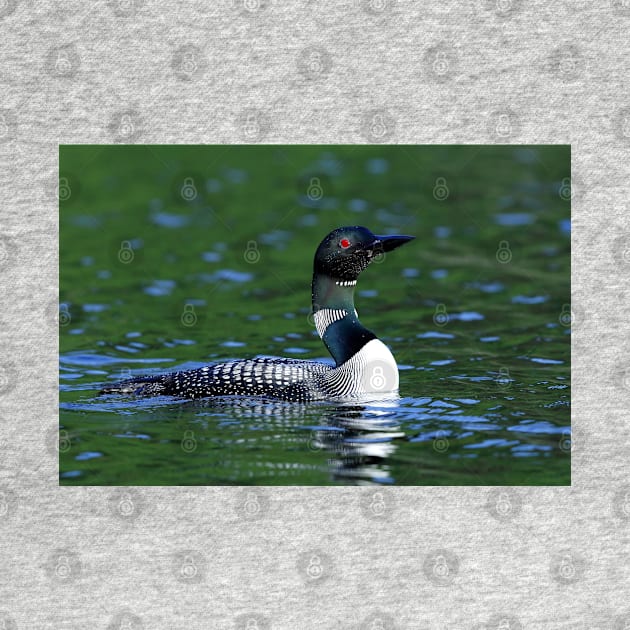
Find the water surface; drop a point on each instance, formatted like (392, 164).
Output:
(173, 257)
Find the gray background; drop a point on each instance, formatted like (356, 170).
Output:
(313, 72)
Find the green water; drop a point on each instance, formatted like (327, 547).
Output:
(174, 257)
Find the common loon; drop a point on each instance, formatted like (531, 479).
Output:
(364, 365)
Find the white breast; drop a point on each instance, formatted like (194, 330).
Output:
(372, 370)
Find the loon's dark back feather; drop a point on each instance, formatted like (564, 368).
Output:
(285, 379)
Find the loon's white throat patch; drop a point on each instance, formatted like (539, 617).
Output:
(327, 316)
(346, 283)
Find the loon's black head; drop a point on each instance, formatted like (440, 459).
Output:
(347, 251)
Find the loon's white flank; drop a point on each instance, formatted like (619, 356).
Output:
(371, 370)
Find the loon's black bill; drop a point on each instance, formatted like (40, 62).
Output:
(387, 243)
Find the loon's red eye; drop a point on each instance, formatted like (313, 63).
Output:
(345, 243)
